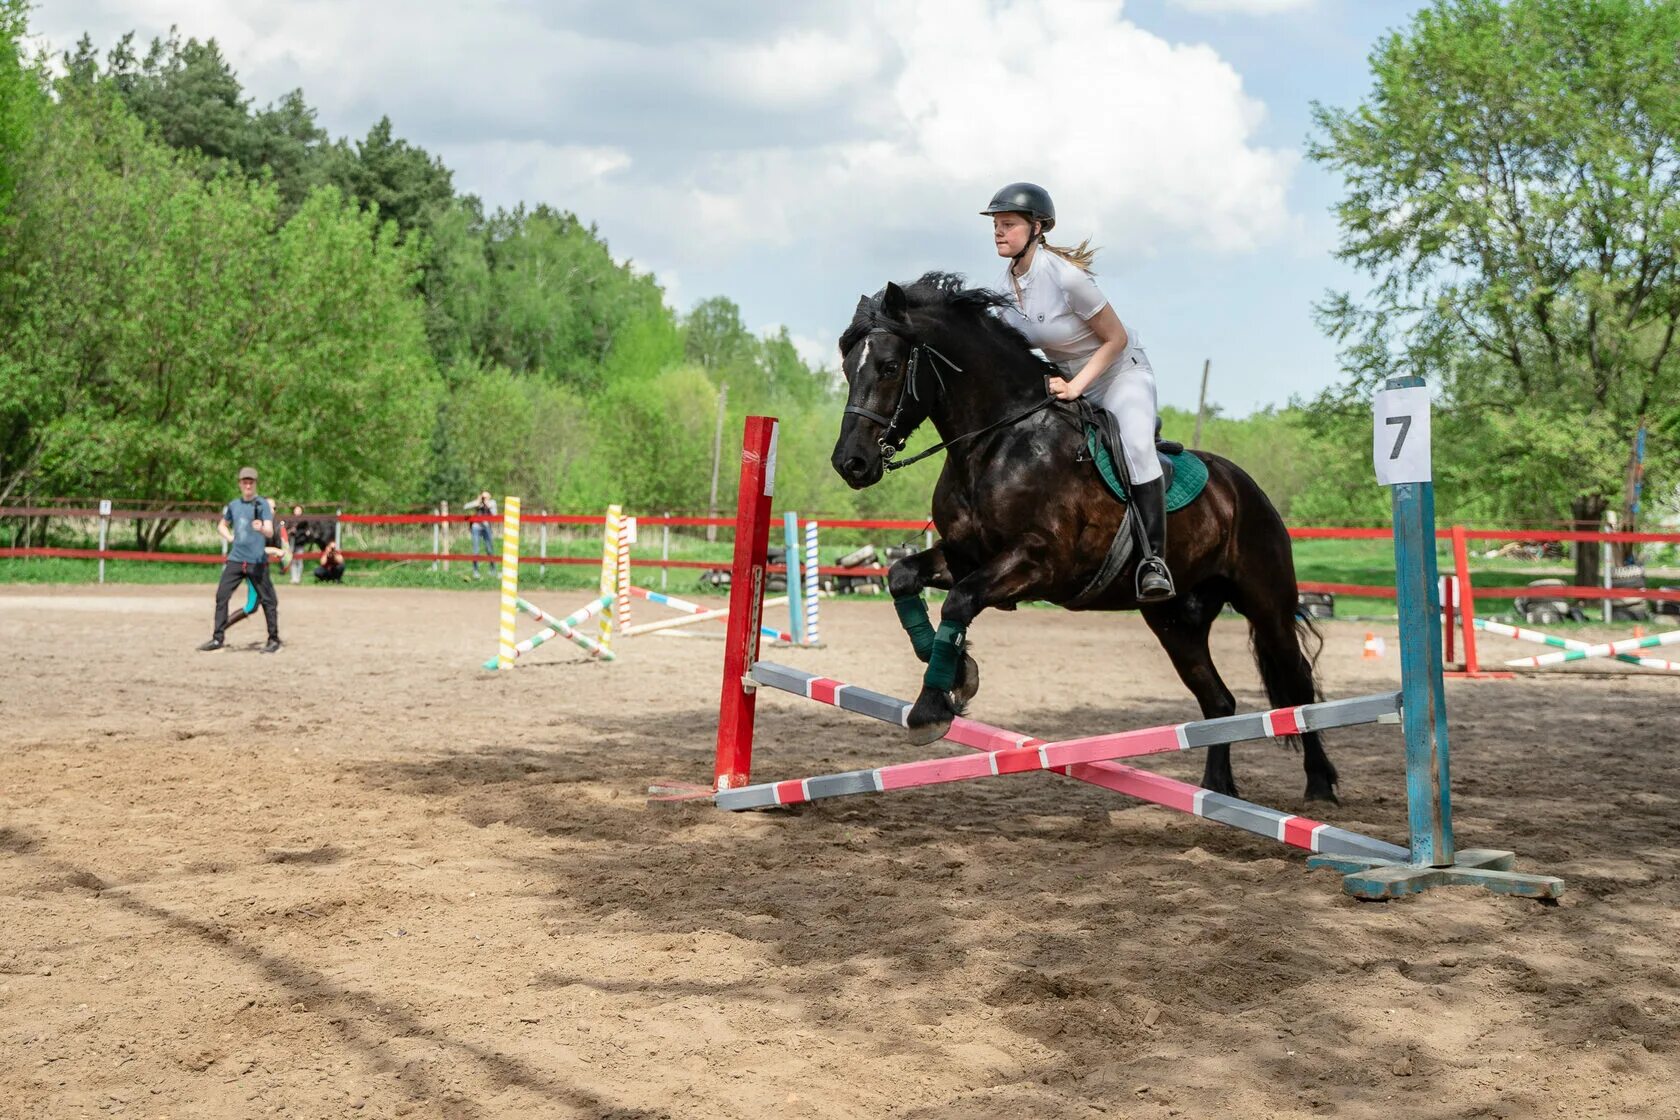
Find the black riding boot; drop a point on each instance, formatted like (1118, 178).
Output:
(1149, 503)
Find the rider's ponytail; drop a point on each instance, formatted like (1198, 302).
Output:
(1080, 256)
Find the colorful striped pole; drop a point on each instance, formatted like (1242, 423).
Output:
(1027, 755)
(1522, 634)
(609, 571)
(694, 613)
(1607, 649)
(813, 585)
(795, 597)
(510, 581)
(1157, 789)
(621, 606)
(559, 628)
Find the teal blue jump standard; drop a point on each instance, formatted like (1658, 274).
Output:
(1431, 859)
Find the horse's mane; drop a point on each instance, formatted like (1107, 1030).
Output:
(943, 295)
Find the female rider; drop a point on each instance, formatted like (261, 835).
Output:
(1054, 301)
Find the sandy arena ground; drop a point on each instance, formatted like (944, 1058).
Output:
(363, 878)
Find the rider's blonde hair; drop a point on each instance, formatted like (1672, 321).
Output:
(1080, 256)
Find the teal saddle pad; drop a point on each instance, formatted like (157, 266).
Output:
(1189, 473)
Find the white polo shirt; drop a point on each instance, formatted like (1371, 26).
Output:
(1056, 302)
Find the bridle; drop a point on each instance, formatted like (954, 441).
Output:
(907, 392)
(891, 446)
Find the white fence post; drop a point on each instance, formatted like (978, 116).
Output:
(104, 532)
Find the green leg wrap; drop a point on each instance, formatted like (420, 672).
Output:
(946, 657)
(913, 616)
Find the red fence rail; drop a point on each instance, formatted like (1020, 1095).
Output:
(1530, 536)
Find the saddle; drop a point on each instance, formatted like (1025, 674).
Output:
(1184, 476)
(1103, 447)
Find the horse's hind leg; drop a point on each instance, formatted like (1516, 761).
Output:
(1288, 674)
(1182, 627)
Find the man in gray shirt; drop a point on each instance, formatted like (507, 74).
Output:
(247, 523)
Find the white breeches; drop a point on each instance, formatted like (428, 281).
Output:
(1127, 389)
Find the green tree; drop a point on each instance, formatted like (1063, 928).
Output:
(715, 339)
(155, 326)
(405, 183)
(1513, 190)
(515, 435)
(21, 98)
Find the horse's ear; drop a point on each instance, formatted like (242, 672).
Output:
(866, 305)
(894, 305)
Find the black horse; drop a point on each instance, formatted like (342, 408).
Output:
(1021, 517)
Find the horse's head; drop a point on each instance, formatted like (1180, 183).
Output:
(884, 400)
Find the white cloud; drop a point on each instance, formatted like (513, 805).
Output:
(1245, 7)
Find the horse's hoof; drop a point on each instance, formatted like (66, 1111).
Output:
(930, 719)
(932, 733)
(1327, 796)
(970, 682)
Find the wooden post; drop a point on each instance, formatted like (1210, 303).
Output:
(717, 458)
(1201, 404)
(746, 603)
(443, 509)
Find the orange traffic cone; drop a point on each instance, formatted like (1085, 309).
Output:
(1374, 647)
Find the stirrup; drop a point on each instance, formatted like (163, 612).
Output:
(1154, 565)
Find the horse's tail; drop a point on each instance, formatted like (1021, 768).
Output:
(1282, 665)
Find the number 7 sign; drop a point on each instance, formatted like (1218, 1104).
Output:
(1400, 437)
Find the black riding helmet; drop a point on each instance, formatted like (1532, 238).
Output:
(1024, 198)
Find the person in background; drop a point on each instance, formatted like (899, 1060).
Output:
(483, 510)
(247, 523)
(331, 567)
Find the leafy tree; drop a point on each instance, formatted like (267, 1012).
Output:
(350, 389)
(285, 141)
(1513, 190)
(514, 435)
(21, 98)
(715, 339)
(155, 326)
(187, 92)
(401, 180)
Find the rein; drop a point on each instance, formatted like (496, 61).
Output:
(890, 447)
(891, 465)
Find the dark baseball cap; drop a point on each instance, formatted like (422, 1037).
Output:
(247, 472)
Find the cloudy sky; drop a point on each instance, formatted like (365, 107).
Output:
(792, 155)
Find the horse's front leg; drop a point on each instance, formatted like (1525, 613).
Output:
(906, 580)
(1003, 580)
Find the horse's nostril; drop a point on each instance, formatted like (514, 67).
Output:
(854, 466)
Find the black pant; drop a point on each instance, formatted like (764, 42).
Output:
(234, 571)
